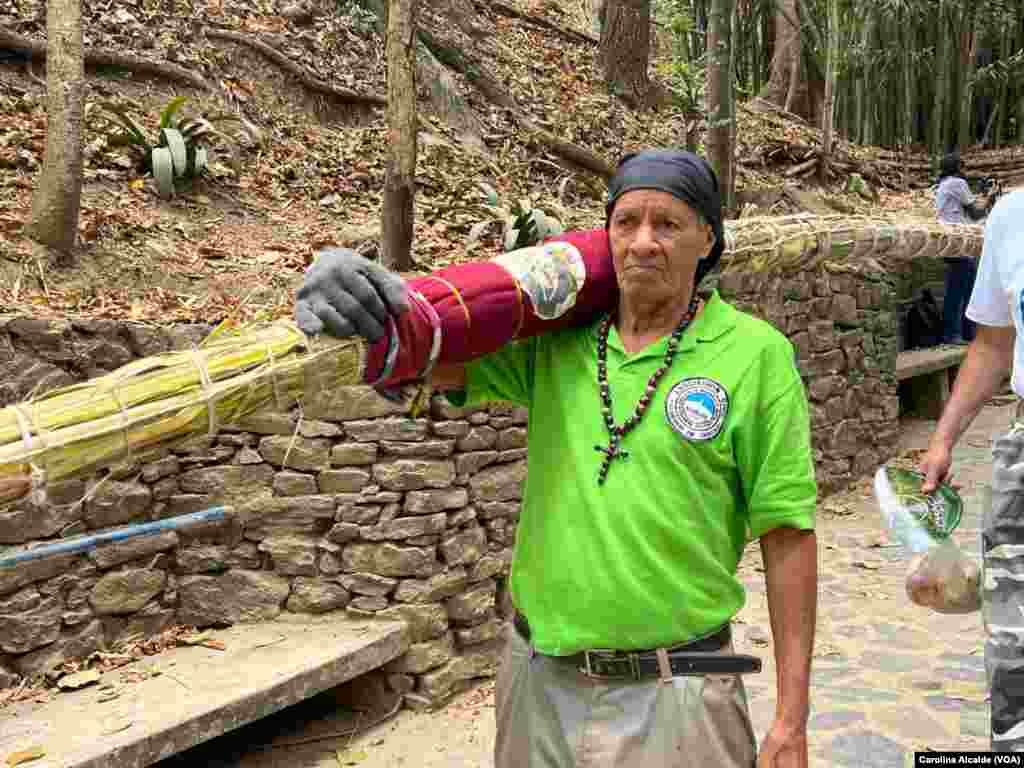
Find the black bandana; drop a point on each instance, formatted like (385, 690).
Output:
(683, 175)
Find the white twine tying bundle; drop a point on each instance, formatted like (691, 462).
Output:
(211, 399)
(37, 476)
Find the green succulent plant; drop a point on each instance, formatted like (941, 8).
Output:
(180, 150)
(522, 224)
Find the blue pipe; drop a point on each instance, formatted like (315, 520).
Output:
(86, 543)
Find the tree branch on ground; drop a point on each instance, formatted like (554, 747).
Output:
(454, 58)
(463, 13)
(538, 21)
(444, 91)
(32, 74)
(102, 58)
(493, 91)
(307, 79)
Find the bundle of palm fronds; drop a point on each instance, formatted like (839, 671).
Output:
(165, 400)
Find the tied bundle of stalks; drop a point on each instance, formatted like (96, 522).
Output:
(806, 241)
(165, 400)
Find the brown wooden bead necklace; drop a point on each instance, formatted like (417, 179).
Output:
(616, 432)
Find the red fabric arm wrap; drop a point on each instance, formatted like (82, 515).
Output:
(482, 307)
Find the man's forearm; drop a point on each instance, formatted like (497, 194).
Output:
(988, 362)
(791, 574)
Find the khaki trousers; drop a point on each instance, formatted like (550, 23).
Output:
(551, 715)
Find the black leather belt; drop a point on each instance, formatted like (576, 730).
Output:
(701, 657)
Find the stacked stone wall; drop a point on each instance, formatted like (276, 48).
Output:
(843, 327)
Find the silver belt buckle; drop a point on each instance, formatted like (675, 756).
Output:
(632, 658)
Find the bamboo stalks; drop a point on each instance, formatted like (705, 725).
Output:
(164, 400)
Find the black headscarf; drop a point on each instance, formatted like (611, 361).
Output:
(950, 166)
(683, 175)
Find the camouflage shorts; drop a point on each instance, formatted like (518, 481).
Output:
(1003, 590)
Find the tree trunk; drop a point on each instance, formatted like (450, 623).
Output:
(1002, 102)
(756, 52)
(58, 195)
(938, 137)
(719, 97)
(1020, 116)
(987, 135)
(597, 17)
(400, 164)
(784, 85)
(909, 103)
(870, 90)
(1018, 91)
(828, 110)
(968, 40)
(625, 49)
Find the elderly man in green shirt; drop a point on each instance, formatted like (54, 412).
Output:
(658, 436)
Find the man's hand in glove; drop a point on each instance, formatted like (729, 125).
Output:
(344, 294)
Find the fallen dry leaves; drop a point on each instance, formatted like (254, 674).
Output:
(126, 651)
(237, 244)
(474, 702)
(24, 756)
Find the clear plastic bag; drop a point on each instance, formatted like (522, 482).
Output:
(944, 579)
(939, 575)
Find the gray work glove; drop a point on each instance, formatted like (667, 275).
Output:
(344, 294)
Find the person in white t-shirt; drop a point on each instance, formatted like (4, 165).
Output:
(996, 306)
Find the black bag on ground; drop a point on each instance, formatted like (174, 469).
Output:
(924, 322)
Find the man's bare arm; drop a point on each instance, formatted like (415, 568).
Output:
(988, 361)
(791, 575)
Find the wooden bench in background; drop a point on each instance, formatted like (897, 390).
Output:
(926, 377)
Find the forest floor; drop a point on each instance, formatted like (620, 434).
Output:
(237, 242)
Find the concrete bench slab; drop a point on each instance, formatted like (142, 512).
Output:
(926, 377)
(917, 362)
(188, 695)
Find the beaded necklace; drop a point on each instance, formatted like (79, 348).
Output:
(616, 432)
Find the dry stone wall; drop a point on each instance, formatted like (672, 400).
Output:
(39, 355)
(843, 327)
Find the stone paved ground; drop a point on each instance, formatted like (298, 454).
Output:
(889, 677)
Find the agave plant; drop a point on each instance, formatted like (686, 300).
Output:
(523, 225)
(180, 151)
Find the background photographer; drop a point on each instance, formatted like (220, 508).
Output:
(955, 204)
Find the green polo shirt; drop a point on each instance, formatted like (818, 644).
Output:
(649, 558)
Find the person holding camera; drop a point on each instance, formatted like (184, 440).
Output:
(955, 204)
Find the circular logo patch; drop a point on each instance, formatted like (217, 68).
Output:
(696, 408)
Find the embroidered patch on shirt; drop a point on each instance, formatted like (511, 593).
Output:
(696, 408)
